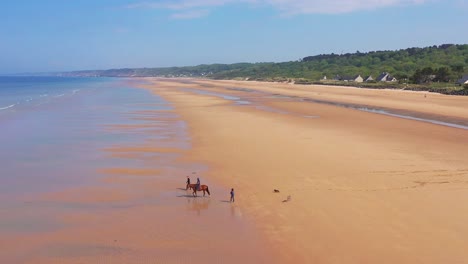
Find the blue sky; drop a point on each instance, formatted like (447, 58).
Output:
(57, 35)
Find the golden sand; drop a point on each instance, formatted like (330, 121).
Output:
(353, 186)
(363, 187)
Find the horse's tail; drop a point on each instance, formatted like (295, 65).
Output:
(208, 190)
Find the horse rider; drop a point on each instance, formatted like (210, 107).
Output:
(188, 183)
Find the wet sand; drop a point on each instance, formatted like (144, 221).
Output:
(134, 208)
(363, 187)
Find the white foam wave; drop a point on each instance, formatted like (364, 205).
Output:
(60, 95)
(6, 107)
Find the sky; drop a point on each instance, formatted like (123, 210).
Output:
(67, 35)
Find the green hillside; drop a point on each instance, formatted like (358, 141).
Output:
(422, 66)
(451, 60)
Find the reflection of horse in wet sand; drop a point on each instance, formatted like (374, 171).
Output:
(203, 188)
(198, 205)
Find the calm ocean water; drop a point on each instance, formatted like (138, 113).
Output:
(24, 93)
(51, 129)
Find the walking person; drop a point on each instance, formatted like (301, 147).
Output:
(232, 195)
(188, 183)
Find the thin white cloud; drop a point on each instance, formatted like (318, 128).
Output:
(190, 14)
(285, 7)
(334, 7)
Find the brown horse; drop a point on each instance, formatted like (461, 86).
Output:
(203, 188)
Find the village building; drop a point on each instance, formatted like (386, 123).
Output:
(356, 78)
(368, 79)
(463, 80)
(386, 77)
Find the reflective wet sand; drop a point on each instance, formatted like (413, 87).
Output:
(123, 197)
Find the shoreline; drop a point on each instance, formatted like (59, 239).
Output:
(134, 205)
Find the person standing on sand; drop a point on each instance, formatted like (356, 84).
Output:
(232, 195)
(198, 184)
(188, 183)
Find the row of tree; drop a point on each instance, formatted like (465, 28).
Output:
(444, 63)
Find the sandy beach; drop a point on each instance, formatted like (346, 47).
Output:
(234, 132)
(362, 176)
(363, 187)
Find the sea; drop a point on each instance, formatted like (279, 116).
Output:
(52, 128)
(54, 132)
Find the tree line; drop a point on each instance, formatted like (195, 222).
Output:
(443, 63)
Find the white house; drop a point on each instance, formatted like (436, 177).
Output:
(386, 77)
(356, 78)
(368, 78)
(463, 80)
